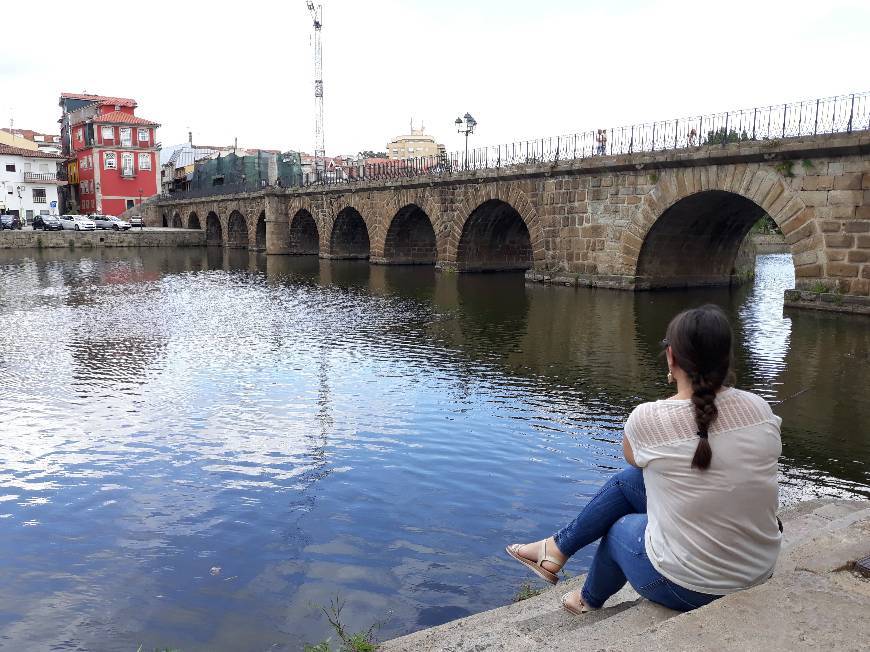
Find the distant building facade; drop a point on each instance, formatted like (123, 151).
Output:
(29, 180)
(112, 154)
(414, 145)
(48, 143)
(254, 170)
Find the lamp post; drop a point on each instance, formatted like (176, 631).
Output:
(21, 216)
(465, 125)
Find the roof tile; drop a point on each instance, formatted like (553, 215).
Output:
(119, 117)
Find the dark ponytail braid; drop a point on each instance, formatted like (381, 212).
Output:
(700, 341)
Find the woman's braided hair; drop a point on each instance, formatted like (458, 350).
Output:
(700, 341)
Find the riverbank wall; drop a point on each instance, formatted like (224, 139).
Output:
(96, 239)
(817, 599)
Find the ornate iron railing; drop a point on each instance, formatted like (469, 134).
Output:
(840, 114)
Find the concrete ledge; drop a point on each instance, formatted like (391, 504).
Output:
(814, 601)
(828, 301)
(94, 239)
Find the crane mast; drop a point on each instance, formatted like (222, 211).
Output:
(319, 145)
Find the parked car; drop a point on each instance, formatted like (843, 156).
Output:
(10, 221)
(137, 220)
(47, 223)
(109, 222)
(77, 223)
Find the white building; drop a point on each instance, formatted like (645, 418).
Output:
(28, 182)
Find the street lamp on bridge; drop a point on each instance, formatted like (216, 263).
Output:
(465, 125)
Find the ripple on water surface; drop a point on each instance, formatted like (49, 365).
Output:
(199, 449)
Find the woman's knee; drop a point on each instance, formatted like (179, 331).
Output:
(630, 474)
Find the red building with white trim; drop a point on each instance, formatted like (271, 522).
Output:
(112, 154)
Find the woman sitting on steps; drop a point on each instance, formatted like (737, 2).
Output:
(694, 516)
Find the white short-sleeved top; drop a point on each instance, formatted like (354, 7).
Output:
(713, 531)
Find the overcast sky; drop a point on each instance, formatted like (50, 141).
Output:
(523, 69)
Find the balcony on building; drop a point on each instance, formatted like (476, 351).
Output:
(45, 177)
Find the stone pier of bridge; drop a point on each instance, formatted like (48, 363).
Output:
(637, 222)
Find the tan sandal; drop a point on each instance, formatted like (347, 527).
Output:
(573, 610)
(536, 567)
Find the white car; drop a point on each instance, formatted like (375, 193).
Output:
(77, 223)
(110, 222)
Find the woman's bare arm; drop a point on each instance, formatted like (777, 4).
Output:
(626, 449)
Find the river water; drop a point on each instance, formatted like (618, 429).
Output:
(200, 448)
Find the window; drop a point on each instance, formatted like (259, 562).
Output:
(110, 162)
(10, 167)
(43, 212)
(144, 161)
(39, 139)
(108, 133)
(130, 203)
(127, 164)
(126, 136)
(39, 195)
(43, 167)
(143, 135)
(78, 134)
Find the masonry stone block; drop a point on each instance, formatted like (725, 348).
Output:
(840, 241)
(860, 286)
(845, 270)
(808, 271)
(848, 182)
(845, 197)
(856, 226)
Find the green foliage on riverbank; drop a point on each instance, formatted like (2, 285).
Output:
(526, 591)
(363, 641)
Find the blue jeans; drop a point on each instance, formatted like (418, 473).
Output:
(617, 516)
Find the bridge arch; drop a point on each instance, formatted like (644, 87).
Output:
(260, 233)
(237, 231)
(193, 221)
(410, 238)
(304, 235)
(350, 235)
(214, 232)
(176, 221)
(689, 233)
(494, 238)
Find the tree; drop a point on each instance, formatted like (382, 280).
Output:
(370, 154)
(719, 137)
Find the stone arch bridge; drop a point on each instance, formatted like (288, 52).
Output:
(639, 221)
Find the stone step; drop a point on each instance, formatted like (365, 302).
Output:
(818, 536)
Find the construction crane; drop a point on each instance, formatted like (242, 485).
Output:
(319, 146)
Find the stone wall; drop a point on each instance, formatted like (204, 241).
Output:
(92, 239)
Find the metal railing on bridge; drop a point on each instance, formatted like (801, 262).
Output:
(830, 115)
(840, 114)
